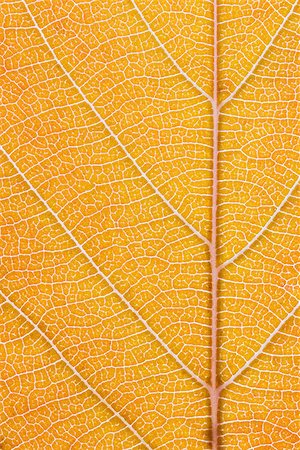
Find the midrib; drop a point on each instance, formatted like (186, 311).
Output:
(214, 395)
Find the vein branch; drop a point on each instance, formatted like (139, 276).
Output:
(163, 47)
(74, 370)
(107, 127)
(105, 277)
(259, 59)
(264, 228)
(261, 349)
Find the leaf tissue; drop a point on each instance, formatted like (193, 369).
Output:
(149, 284)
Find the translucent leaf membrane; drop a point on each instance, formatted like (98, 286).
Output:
(156, 113)
(43, 404)
(259, 289)
(105, 202)
(46, 276)
(260, 410)
(185, 30)
(259, 144)
(123, 124)
(247, 30)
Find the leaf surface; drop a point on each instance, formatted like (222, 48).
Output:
(149, 211)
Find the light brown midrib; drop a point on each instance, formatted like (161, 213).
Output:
(214, 394)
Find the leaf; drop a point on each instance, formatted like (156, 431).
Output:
(149, 242)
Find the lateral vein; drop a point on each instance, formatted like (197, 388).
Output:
(260, 58)
(264, 228)
(107, 127)
(74, 370)
(164, 49)
(261, 349)
(105, 277)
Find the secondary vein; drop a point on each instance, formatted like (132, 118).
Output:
(107, 127)
(74, 370)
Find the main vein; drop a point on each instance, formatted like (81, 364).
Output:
(215, 390)
(214, 399)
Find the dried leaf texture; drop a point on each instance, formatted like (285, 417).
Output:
(149, 211)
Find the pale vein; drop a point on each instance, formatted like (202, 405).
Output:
(244, 80)
(196, 232)
(103, 121)
(261, 349)
(106, 278)
(164, 49)
(257, 236)
(74, 370)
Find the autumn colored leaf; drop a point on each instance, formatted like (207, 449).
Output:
(149, 245)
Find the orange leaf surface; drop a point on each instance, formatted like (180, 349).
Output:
(149, 245)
